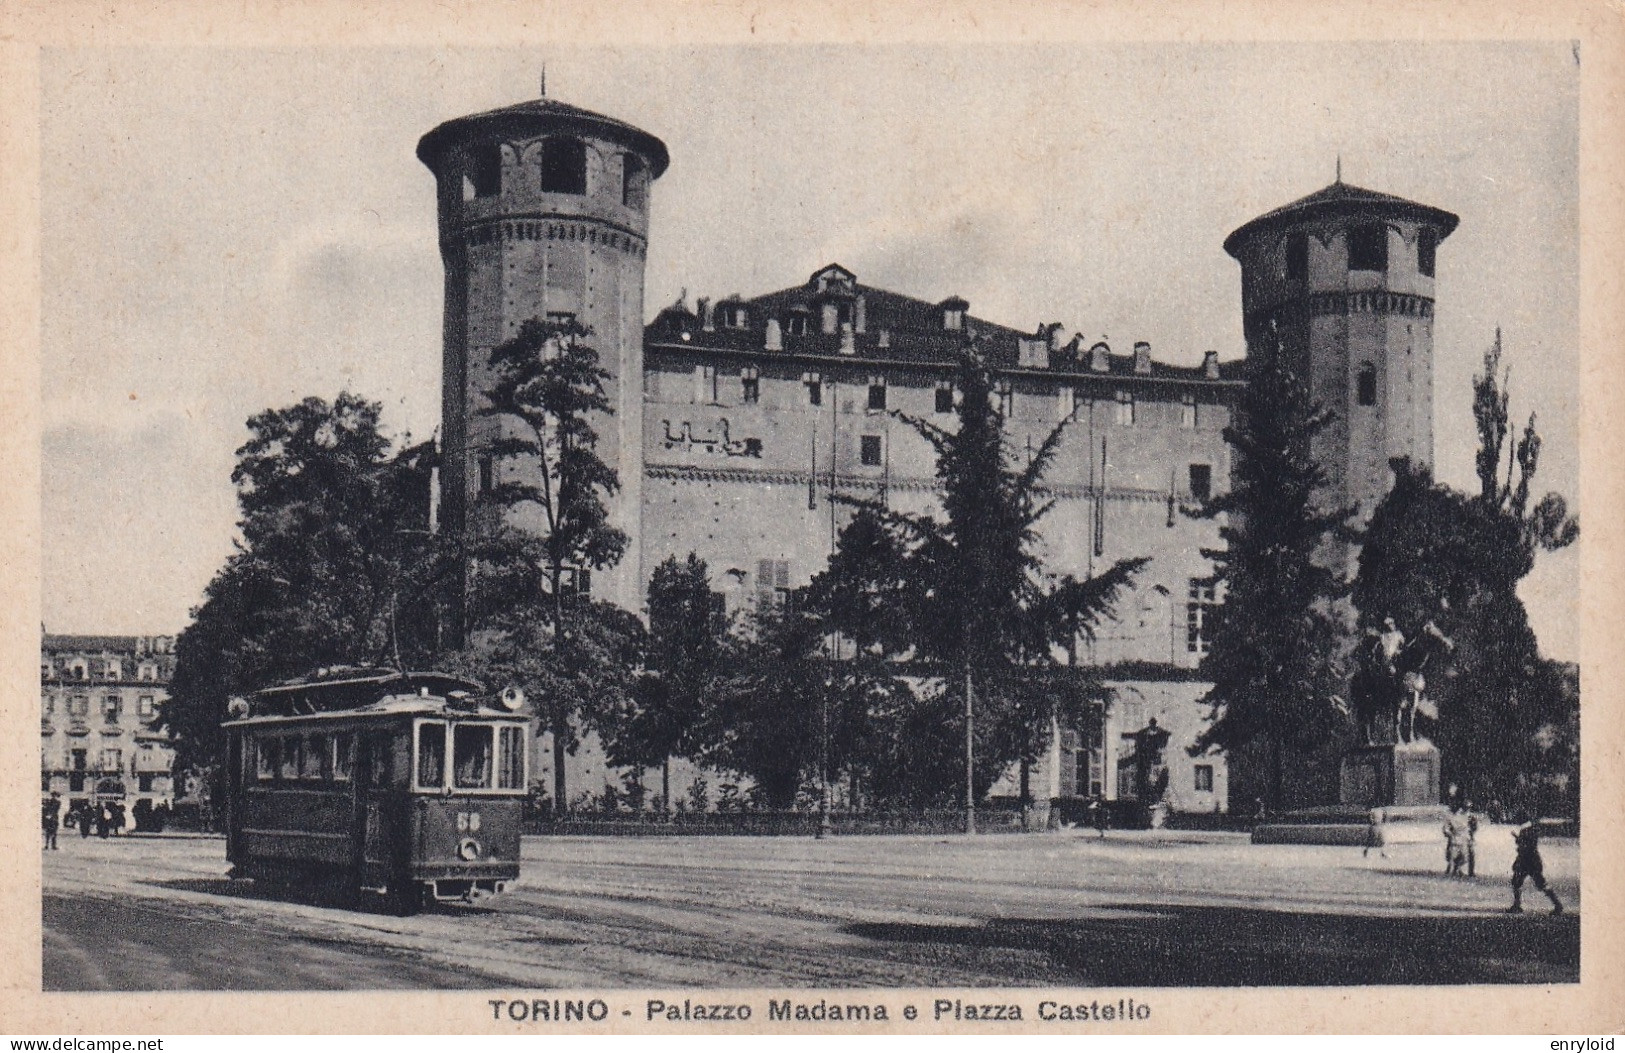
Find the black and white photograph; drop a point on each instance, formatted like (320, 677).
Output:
(1001, 530)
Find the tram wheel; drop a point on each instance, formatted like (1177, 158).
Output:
(405, 897)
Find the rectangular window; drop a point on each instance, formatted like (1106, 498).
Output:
(262, 756)
(1125, 408)
(147, 708)
(798, 325)
(1204, 778)
(877, 393)
(815, 388)
(112, 760)
(112, 707)
(772, 581)
(288, 762)
(705, 384)
(562, 318)
(1368, 247)
(750, 384)
(380, 751)
(945, 396)
(50, 704)
(1187, 411)
(510, 758)
(79, 706)
(1201, 599)
(143, 782)
(471, 756)
(431, 767)
(869, 450)
(1297, 256)
(343, 756)
(312, 752)
(79, 760)
(1201, 481)
(1366, 385)
(1427, 249)
(486, 475)
(953, 319)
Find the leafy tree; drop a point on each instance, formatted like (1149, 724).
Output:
(1432, 551)
(333, 566)
(962, 593)
(685, 643)
(1275, 659)
(547, 388)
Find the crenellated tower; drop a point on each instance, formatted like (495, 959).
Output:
(543, 213)
(1342, 282)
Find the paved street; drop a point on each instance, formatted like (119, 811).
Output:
(1138, 909)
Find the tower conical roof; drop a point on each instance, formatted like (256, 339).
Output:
(538, 117)
(1342, 199)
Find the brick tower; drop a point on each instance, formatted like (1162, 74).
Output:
(544, 213)
(1342, 281)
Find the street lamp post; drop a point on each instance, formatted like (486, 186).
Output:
(970, 758)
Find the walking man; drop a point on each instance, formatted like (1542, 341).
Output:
(1527, 864)
(51, 818)
(1472, 839)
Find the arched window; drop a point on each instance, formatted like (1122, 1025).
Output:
(1366, 385)
(1368, 247)
(483, 176)
(634, 180)
(564, 166)
(1427, 250)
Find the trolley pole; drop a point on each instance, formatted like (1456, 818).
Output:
(970, 758)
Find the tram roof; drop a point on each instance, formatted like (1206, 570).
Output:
(356, 689)
(388, 706)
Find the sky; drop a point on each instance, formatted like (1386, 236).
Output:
(226, 230)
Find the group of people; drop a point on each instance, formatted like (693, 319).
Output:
(107, 818)
(1460, 854)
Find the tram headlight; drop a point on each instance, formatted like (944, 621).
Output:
(468, 850)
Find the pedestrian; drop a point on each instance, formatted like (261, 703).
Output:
(84, 820)
(51, 818)
(104, 821)
(1097, 816)
(118, 817)
(1472, 839)
(1373, 835)
(1527, 864)
(1455, 843)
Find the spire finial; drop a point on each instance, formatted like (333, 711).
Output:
(544, 80)
(1339, 165)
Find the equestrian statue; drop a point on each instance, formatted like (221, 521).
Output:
(1390, 686)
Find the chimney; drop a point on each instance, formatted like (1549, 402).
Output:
(1142, 357)
(848, 346)
(1100, 358)
(1053, 331)
(775, 339)
(1210, 365)
(708, 318)
(859, 314)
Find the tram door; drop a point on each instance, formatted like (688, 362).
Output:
(381, 807)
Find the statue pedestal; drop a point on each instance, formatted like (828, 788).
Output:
(1403, 775)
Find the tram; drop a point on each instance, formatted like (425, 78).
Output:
(402, 783)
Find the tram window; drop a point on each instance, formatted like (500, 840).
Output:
(431, 756)
(343, 756)
(381, 759)
(471, 756)
(266, 754)
(289, 768)
(511, 758)
(311, 753)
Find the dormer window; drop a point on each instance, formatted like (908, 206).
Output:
(738, 318)
(953, 319)
(564, 165)
(835, 278)
(798, 323)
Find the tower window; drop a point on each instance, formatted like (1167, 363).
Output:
(1427, 248)
(484, 175)
(486, 474)
(633, 181)
(1204, 778)
(877, 393)
(1366, 385)
(1297, 256)
(1368, 247)
(564, 166)
(869, 450)
(1201, 481)
(945, 396)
